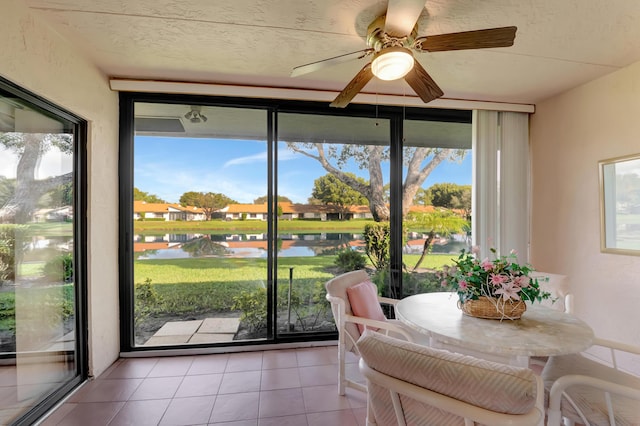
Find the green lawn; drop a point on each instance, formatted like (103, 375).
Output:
(223, 270)
(207, 284)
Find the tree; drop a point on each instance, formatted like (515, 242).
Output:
(331, 190)
(209, 202)
(451, 196)
(419, 163)
(145, 196)
(442, 222)
(61, 196)
(190, 198)
(422, 198)
(7, 188)
(263, 199)
(28, 190)
(446, 194)
(204, 246)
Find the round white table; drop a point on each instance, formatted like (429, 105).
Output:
(541, 331)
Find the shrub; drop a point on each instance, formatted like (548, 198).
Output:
(253, 305)
(310, 309)
(350, 260)
(412, 283)
(60, 268)
(147, 300)
(377, 243)
(9, 252)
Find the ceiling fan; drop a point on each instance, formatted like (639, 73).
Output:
(392, 39)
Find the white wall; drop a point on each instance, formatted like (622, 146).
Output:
(570, 133)
(37, 58)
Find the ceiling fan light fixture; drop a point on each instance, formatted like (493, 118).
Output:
(392, 63)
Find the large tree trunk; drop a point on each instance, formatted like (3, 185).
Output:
(416, 176)
(20, 207)
(375, 194)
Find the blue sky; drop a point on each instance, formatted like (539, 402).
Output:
(169, 167)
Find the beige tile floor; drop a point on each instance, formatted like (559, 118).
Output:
(287, 387)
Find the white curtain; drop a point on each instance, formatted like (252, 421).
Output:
(500, 212)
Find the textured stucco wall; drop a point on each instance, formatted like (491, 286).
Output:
(37, 58)
(570, 133)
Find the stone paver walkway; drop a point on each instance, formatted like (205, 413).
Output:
(208, 330)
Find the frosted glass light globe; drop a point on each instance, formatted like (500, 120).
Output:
(392, 63)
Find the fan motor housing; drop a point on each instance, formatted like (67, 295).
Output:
(378, 39)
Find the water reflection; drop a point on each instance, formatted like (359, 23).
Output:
(179, 246)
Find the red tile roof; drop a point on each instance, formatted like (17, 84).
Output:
(144, 207)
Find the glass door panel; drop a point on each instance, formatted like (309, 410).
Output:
(332, 180)
(38, 352)
(200, 224)
(436, 199)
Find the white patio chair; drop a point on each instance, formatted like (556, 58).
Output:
(411, 384)
(558, 286)
(593, 388)
(561, 300)
(348, 323)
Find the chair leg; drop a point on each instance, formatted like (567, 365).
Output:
(341, 360)
(371, 419)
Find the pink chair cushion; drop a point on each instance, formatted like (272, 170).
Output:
(363, 299)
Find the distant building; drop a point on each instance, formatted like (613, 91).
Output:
(59, 214)
(295, 211)
(142, 209)
(322, 212)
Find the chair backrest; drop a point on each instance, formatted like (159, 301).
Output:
(414, 384)
(558, 286)
(599, 386)
(337, 289)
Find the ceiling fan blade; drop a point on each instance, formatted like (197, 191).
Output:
(354, 87)
(422, 83)
(402, 16)
(314, 66)
(480, 39)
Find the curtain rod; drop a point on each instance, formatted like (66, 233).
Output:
(175, 87)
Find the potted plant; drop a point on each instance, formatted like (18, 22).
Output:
(495, 289)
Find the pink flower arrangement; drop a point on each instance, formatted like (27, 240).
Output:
(502, 278)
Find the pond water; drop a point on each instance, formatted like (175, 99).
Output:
(177, 246)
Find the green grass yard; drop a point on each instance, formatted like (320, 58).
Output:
(223, 270)
(196, 285)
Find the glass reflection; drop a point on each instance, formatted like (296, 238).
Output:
(37, 302)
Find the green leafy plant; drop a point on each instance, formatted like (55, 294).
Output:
(350, 260)
(501, 278)
(60, 268)
(311, 307)
(377, 237)
(253, 305)
(10, 252)
(147, 300)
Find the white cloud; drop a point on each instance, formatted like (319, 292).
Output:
(256, 158)
(283, 155)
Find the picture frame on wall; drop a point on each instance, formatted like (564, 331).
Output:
(620, 205)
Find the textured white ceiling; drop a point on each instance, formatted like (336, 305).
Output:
(559, 44)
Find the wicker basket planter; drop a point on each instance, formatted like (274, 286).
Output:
(490, 308)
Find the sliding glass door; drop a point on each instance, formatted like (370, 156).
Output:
(200, 225)
(332, 177)
(41, 245)
(239, 212)
(436, 199)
